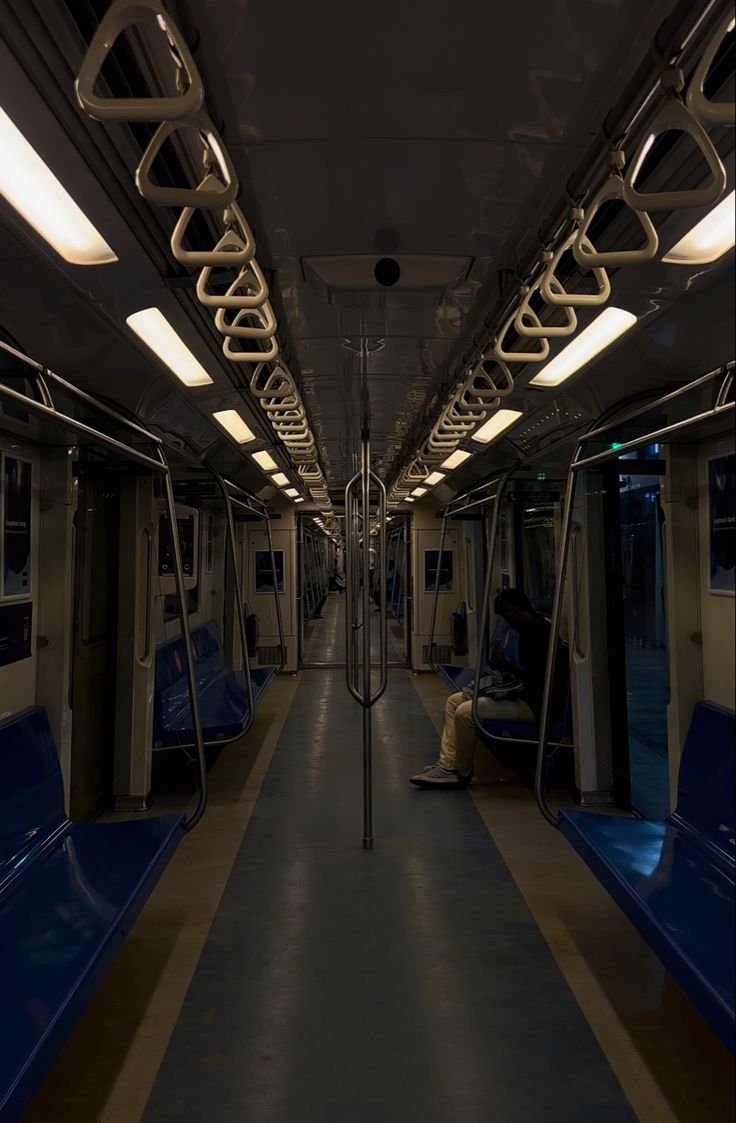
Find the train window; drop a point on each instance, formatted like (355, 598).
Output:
(538, 554)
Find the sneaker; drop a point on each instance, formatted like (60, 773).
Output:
(435, 776)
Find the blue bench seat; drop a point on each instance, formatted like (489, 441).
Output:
(674, 878)
(223, 700)
(69, 894)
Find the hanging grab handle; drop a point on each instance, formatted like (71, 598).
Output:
(499, 353)
(250, 356)
(250, 276)
(120, 15)
(263, 329)
(220, 190)
(675, 115)
(554, 291)
(583, 250)
(707, 111)
(235, 248)
(537, 330)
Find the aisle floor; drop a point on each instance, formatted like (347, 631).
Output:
(405, 984)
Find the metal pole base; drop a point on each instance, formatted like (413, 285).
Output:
(367, 843)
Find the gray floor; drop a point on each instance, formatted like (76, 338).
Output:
(324, 640)
(405, 984)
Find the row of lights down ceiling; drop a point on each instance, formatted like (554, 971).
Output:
(474, 411)
(243, 314)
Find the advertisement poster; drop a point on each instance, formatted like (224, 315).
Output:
(430, 571)
(17, 482)
(264, 573)
(722, 524)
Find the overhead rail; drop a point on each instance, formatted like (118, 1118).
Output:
(358, 615)
(666, 94)
(44, 408)
(612, 441)
(182, 112)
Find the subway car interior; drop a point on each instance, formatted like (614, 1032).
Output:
(367, 562)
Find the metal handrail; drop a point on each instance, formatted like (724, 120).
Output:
(577, 463)
(186, 636)
(277, 598)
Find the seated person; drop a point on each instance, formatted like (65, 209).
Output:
(454, 769)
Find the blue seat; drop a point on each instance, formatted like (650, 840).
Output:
(674, 878)
(69, 894)
(223, 701)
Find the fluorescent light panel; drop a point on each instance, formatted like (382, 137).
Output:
(434, 478)
(31, 187)
(409, 499)
(291, 492)
(265, 460)
(495, 425)
(154, 329)
(455, 459)
(709, 239)
(299, 500)
(233, 424)
(419, 492)
(281, 479)
(605, 330)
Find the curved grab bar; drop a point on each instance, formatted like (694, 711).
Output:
(208, 198)
(234, 329)
(536, 329)
(554, 292)
(707, 111)
(251, 275)
(518, 356)
(350, 580)
(186, 636)
(119, 16)
(249, 356)
(674, 115)
(382, 592)
(583, 250)
(234, 249)
(148, 618)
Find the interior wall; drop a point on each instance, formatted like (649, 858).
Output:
(426, 532)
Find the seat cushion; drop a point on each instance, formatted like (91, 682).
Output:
(60, 926)
(675, 894)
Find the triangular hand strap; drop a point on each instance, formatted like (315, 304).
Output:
(674, 115)
(537, 330)
(235, 248)
(707, 111)
(264, 327)
(554, 292)
(238, 356)
(119, 16)
(251, 276)
(274, 383)
(499, 354)
(221, 189)
(583, 250)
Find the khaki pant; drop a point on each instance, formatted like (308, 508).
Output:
(458, 736)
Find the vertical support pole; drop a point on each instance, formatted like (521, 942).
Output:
(186, 636)
(486, 607)
(365, 502)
